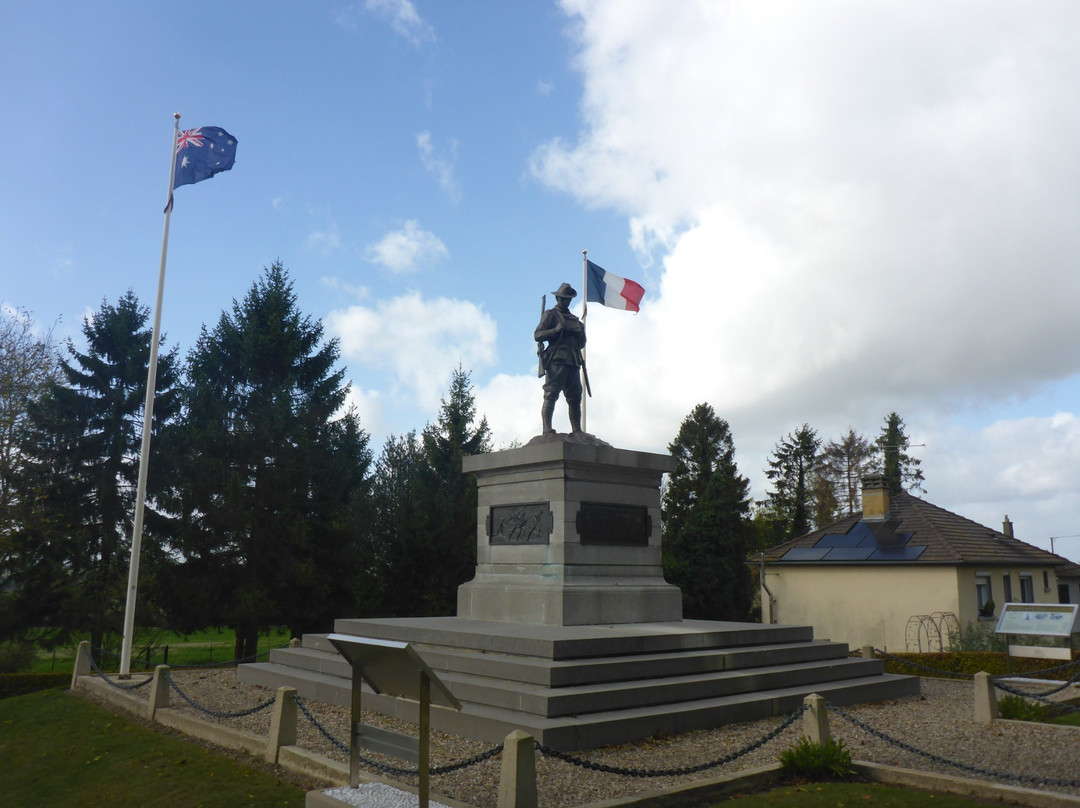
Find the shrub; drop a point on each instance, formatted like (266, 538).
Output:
(1018, 708)
(15, 656)
(813, 761)
(17, 684)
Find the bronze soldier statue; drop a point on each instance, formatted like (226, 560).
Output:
(561, 360)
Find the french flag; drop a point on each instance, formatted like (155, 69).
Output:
(608, 289)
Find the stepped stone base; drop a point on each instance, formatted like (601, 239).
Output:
(581, 687)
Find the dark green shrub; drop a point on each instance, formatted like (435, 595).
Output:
(812, 761)
(15, 656)
(18, 684)
(1018, 708)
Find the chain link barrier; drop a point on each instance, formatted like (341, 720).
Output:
(215, 713)
(923, 667)
(683, 770)
(105, 677)
(1040, 697)
(386, 767)
(968, 767)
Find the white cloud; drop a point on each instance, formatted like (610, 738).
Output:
(326, 241)
(402, 16)
(857, 207)
(440, 164)
(420, 341)
(407, 249)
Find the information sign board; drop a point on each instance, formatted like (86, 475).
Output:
(1039, 619)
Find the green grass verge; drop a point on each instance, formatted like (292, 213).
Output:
(830, 795)
(200, 648)
(60, 751)
(1068, 720)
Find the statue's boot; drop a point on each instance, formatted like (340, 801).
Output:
(575, 417)
(546, 413)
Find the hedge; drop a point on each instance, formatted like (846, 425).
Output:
(17, 684)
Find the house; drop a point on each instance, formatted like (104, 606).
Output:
(1068, 577)
(902, 575)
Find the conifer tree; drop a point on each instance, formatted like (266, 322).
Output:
(844, 463)
(900, 468)
(706, 509)
(76, 485)
(273, 467)
(791, 469)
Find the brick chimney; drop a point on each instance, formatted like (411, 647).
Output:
(1006, 527)
(875, 498)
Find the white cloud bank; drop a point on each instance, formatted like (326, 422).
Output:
(419, 341)
(857, 207)
(407, 249)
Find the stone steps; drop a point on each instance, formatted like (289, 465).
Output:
(582, 687)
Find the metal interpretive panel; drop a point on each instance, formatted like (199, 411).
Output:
(1039, 619)
(614, 525)
(520, 524)
(392, 669)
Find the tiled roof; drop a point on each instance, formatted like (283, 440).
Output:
(916, 532)
(1070, 570)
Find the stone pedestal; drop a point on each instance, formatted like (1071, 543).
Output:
(569, 535)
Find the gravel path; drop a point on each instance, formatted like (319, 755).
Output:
(940, 721)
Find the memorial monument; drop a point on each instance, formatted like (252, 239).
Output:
(568, 629)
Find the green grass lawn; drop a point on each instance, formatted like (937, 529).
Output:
(199, 648)
(831, 795)
(1069, 720)
(60, 751)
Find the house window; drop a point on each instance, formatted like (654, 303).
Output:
(1063, 593)
(1006, 579)
(983, 593)
(1027, 588)
(1046, 581)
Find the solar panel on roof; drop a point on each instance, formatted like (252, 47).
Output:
(804, 554)
(905, 553)
(848, 554)
(838, 540)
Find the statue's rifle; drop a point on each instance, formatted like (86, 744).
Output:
(541, 365)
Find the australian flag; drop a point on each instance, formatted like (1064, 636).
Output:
(201, 153)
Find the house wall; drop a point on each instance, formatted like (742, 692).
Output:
(859, 605)
(967, 576)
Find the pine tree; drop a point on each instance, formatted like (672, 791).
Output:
(76, 488)
(844, 463)
(272, 470)
(455, 435)
(900, 469)
(791, 469)
(706, 520)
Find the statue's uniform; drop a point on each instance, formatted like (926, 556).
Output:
(562, 362)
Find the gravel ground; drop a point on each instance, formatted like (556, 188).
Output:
(940, 721)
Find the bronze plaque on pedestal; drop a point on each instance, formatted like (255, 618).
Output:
(614, 525)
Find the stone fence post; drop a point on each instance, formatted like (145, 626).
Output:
(985, 698)
(816, 720)
(517, 780)
(282, 724)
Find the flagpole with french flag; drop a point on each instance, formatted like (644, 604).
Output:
(219, 155)
(607, 289)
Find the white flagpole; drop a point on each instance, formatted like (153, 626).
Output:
(148, 418)
(584, 314)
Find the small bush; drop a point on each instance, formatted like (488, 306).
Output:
(811, 761)
(1018, 708)
(16, 656)
(18, 684)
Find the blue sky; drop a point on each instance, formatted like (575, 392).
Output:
(837, 209)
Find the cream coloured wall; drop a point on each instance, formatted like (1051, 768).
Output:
(859, 605)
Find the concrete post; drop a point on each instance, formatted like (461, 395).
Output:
(282, 723)
(816, 720)
(82, 663)
(159, 692)
(868, 652)
(517, 782)
(985, 699)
